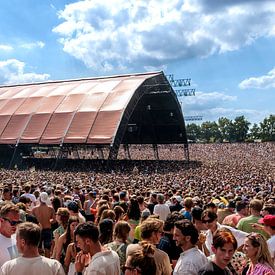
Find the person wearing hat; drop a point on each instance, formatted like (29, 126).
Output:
(46, 216)
(268, 222)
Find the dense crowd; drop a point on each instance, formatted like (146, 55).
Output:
(213, 215)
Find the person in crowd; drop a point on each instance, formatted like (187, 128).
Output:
(209, 218)
(166, 243)
(268, 222)
(62, 217)
(27, 194)
(6, 195)
(119, 212)
(187, 208)
(151, 231)
(120, 242)
(9, 219)
(161, 208)
(152, 202)
(69, 261)
(30, 262)
(228, 210)
(141, 261)
(73, 207)
(191, 260)
(133, 216)
(255, 248)
(89, 204)
(65, 239)
(97, 258)
(241, 212)
(176, 203)
(223, 246)
(108, 214)
(245, 224)
(106, 231)
(46, 216)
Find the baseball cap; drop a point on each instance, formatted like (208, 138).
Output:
(268, 220)
(44, 197)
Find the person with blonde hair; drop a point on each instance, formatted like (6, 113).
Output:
(120, 243)
(151, 231)
(141, 261)
(256, 249)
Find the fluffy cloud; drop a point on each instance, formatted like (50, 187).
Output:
(118, 35)
(12, 71)
(261, 82)
(30, 46)
(215, 104)
(204, 101)
(5, 47)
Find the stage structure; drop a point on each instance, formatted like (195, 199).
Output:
(97, 113)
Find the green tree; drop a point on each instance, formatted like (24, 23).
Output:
(210, 131)
(193, 132)
(241, 127)
(226, 128)
(255, 132)
(268, 128)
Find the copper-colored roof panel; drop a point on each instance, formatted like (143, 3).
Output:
(80, 127)
(35, 128)
(105, 127)
(74, 111)
(14, 129)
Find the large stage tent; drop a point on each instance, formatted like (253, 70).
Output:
(103, 111)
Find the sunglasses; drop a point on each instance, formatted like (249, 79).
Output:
(207, 221)
(12, 223)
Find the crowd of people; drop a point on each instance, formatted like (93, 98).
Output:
(213, 215)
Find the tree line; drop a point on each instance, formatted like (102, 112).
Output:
(227, 130)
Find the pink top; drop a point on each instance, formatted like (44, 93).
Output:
(260, 269)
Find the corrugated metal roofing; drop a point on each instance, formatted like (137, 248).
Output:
(75, 111)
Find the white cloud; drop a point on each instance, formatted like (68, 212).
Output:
(203, 101)
(117, 35)
(213, 105)
(12, 71)
(30, 46)
(4, 47)
(261, 82)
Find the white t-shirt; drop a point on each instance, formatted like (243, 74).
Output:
(8, 249)
(162, 210)
(190, 262)
(104, 263)
(238, 234)
(271, 246)
(32, 266)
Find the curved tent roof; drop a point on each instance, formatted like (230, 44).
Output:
(91, 111)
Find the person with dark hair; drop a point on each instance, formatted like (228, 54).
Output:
(101, 259)
(241, 212)
(65, 239)
(28, 238)
(106, 231)
(245, 224)
(141, 261)
(191, 259)
(166, 243)
(133, 215)
(9, 219)
(209, 218)
(223, 246)
(73, 207)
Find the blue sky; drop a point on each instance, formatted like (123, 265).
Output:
(226, 47)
